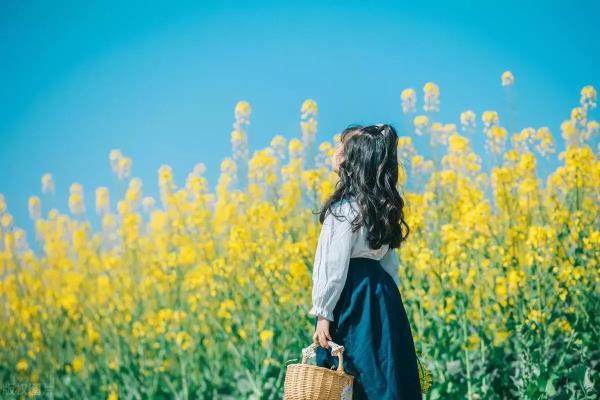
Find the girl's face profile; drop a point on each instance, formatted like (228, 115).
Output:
(337, 157)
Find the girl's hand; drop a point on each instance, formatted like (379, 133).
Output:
(322, 335)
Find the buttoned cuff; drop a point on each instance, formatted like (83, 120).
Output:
(316, 311)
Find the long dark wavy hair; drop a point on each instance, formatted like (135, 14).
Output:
(369, 175)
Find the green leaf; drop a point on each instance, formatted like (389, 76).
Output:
(550, 390)
(587, 381)
(577, 374)
(532, 391)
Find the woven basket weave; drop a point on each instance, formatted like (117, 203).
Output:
(310, 382)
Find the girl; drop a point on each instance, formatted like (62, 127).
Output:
(355, 298)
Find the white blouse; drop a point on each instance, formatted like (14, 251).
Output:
(337, 244)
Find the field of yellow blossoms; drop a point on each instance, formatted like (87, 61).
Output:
(204, 294)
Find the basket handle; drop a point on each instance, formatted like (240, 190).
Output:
(336, 349)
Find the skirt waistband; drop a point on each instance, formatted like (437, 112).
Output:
(367, 260)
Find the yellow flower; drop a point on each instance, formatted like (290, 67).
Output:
(507, 78)
(47, 183)
(265, 337)
(309, 108)
(77, 363)
(295, 147)
(420, 122)
(225, 309)
(578, 114)
(409, 100)
(242, 110)
(473, 341)
(35, 210)
(588, 96)
(22, 365)
(408, 93)
(102, 200)
(113, 363)
(500, 337)
(238, 136)
(489, 118)
(431, 89)
(76, 203)
(298, 270)
(564, 325)
(431, 97)
(467, 120)
(6, 220)
(457, 143)
(113, 395)
(184, 340)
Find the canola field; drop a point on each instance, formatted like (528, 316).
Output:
(204, 294)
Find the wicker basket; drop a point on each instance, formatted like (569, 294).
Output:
(310, 382)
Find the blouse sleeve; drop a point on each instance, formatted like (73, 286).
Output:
(390, 263)
(332, 259)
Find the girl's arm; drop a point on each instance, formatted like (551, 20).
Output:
(390, 263)
(332, 259)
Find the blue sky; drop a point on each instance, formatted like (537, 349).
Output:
(159, 80)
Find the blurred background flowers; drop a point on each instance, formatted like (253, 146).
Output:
(159, 167)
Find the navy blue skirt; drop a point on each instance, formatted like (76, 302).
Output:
(371, 323)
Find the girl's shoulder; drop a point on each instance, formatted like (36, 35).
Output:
(346, 207)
